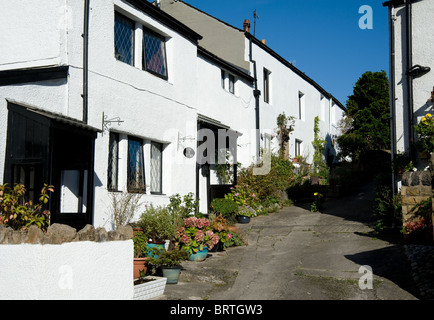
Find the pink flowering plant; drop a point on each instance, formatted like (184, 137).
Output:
(196, 234)
(244, 195)
(19, 214)
(220, 227)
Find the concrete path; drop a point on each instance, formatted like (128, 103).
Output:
(299, 255)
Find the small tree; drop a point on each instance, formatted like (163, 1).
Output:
(285, 125)
(320, 167)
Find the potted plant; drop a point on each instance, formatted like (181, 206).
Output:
(140, 253)
(245, 213)
(220, 227)
(158, 225)
(196, 236)
(170, 263)
(147, 287)
(425, 134)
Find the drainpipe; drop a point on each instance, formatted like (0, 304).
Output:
(392, 94)
(86, 60)
(409, 63)
(256, 94)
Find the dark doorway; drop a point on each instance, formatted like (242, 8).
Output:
(45, 148)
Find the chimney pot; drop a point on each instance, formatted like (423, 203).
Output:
(246, 25)
(264, 41)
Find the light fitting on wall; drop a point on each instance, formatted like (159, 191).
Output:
(418, 71)
(106, 123)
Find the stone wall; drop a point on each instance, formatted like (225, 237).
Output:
(416, 187)
(60, 233)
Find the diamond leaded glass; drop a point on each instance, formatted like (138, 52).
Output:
(154, 57)
(156, 167)
(136, 167)
(124, 39)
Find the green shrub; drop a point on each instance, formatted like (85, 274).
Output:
(18, 214)
(158, 223)
(225, 207)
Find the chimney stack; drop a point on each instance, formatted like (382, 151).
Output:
(246, 25)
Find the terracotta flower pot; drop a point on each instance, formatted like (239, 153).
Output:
(140, 264)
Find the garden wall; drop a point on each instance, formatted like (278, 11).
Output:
(65, 264)
(417, 186)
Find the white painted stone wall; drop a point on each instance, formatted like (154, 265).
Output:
(285, 86)
(423, 54)
(76, 270)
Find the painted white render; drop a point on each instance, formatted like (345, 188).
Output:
(83, 270)
(150, 108)
(422, 55)
(296, 97)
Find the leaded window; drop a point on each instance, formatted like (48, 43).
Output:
(112, 171)
(124, 39)
(156, 167)
(136, 166)
(154, 53)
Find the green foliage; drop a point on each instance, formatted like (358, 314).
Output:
(225, 207)
(140, 244)
(402, 163)
(246, 211)
(425, 133)
(387, 206)
(317, 203)
(320, 167)
(183, 207)
(169, 258)
(158, 223)
(285, 125)
(19, 214)
(368, 109)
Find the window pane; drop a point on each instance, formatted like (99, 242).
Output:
(231, 83)
(112, 170)
(154, 54)
(156, 167)
(124, 39)
(136, 168)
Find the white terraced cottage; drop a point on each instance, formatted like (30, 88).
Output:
(99, 97)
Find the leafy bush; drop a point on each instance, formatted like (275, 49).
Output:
(20, 215)
(158, 223)
(387, 206)
(246, 211)
(225, 207)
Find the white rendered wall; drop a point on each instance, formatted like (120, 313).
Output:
(77, 271)
(422, 31)
(285, 86)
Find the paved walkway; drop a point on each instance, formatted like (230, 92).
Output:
(299, 255)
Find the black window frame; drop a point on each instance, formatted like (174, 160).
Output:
(161, 148)
(113, 185)
(140, 185)
(133, 28)
(147, 31)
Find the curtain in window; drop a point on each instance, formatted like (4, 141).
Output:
(136, 167)
(112, 171)
(156, 167)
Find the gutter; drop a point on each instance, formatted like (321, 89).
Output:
(409, 63)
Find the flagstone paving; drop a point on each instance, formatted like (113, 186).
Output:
(299, 255)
